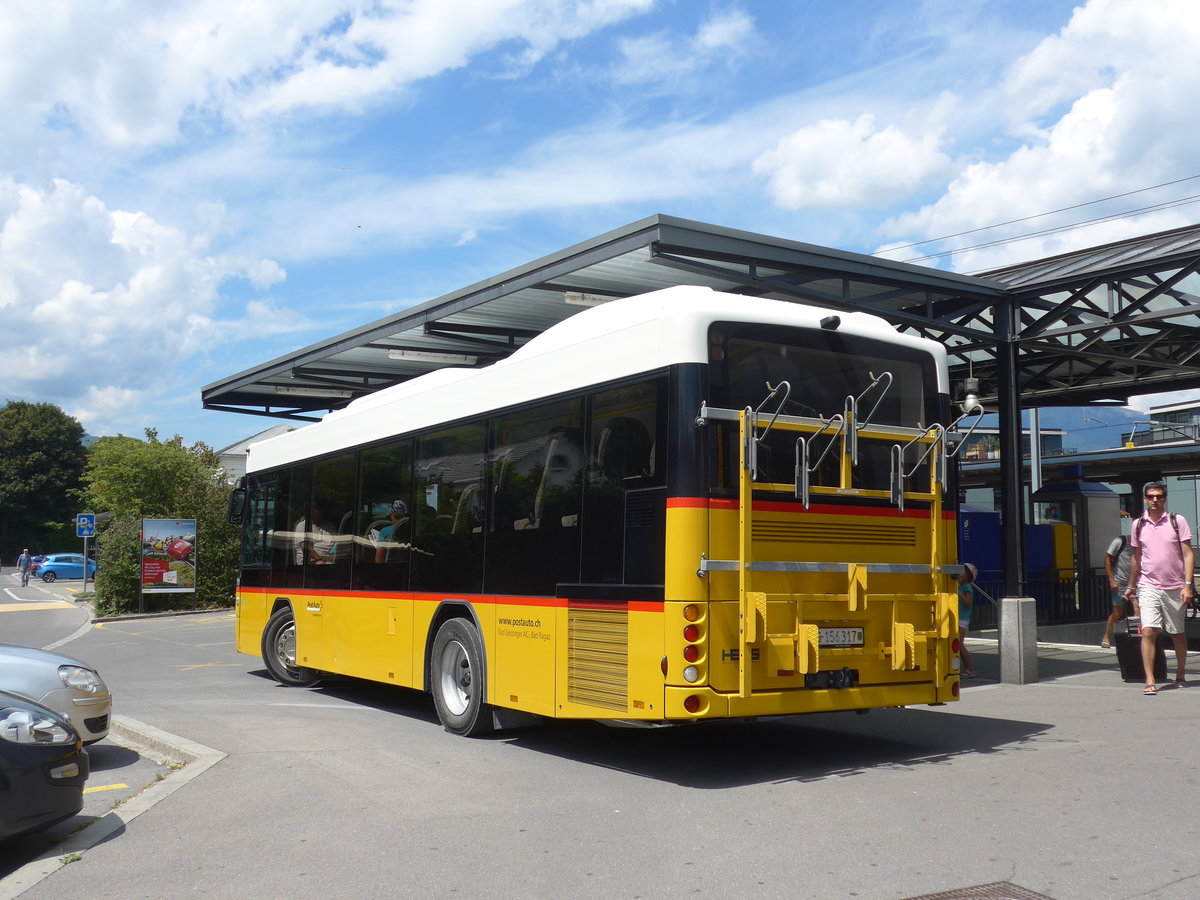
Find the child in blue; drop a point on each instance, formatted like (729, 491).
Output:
(966, 601)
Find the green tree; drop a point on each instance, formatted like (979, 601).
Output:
(131, 480)
(41, 465)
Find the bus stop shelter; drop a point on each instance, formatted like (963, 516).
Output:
(1096, 326)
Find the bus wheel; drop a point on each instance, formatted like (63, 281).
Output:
(279, 651)
(457, 679)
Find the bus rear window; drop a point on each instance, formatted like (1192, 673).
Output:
(823, 368)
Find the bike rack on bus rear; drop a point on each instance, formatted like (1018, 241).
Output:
(754, 426)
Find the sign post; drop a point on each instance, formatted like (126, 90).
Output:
(85, 527)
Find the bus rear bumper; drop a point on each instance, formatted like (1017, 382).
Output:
(713, 704)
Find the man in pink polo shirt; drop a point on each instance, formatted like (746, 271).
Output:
(1161, 570)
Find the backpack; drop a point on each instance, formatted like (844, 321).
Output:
(1137, 532)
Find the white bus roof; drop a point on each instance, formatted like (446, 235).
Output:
(617, 339)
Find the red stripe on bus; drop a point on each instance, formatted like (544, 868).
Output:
(475, 599)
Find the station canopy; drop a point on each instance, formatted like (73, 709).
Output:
(1094, 326)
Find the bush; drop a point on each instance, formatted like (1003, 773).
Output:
(151, 479)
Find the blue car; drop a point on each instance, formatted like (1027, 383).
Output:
(64, 565)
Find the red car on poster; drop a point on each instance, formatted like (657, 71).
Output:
(178, 548)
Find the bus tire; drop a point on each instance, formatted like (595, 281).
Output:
(457, 681)
(279, 651)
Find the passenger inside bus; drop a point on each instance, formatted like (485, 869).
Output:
(314, 542)
(384, 534)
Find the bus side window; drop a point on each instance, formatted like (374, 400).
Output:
(259, 522)
(626, 427)
(329, 525)
(384, 507)
(287, 536)
(537, 462)
(447, 540)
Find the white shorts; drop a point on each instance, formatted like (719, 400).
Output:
(1161, 609)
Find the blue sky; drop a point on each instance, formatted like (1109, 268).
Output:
(188, 189)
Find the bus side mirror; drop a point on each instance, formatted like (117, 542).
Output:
(237, 506)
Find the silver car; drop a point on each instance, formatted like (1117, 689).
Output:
(69, 687)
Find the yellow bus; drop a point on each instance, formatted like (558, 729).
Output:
(680, 506)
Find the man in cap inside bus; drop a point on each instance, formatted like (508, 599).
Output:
(397, 516)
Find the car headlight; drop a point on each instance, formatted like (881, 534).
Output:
(80, 679)
(24, 727)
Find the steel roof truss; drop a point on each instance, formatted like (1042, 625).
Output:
(1136, 307)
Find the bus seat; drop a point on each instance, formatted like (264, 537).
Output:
(625, 448)
(465, 511)
(562, 463)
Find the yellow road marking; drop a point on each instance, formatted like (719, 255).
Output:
(208, 666)
(38, 604)
(105, 787)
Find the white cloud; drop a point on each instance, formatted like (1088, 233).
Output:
(103, 307)
(727, 32)
(837, 163)
(140, 73)
(99, 407)
(263, 317)
(671, 61)
(1101, 108)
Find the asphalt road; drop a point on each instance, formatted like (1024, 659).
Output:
(1078, 788)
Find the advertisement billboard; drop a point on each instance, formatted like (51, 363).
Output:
(168, 555)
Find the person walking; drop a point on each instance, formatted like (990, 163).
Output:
(1160, 577)
(24, 561)
(1117, 560)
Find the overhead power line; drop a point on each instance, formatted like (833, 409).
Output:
(1170, 204)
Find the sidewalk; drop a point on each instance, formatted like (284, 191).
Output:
(1062, 660)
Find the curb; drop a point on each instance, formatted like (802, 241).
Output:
(164, 613)
(196, 759)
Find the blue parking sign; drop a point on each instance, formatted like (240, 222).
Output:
(85, 525)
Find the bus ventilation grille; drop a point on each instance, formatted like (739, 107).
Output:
(598, 658)
(640, 508)
(870, 532)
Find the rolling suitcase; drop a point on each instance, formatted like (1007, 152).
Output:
(1129, 653)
